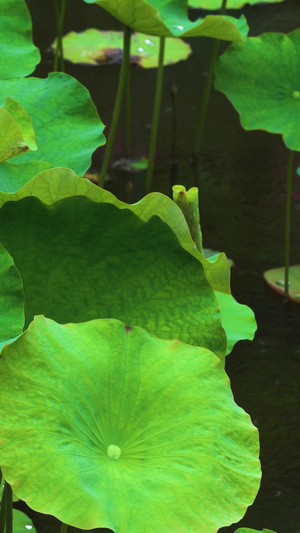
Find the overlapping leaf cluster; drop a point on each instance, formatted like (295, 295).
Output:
(121, 389)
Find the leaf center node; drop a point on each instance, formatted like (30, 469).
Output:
(113, 451)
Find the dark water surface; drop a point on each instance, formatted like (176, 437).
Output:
(242, 197)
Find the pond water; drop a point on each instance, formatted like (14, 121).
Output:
(242, 204)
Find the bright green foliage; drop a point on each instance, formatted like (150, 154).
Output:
(141, 429)
(95, 47)
(237, 320)
(11, 299)
(276, 276)
(231, 4)
(169, 18)
(17, 134)
(19, 56)
(64, 118)
(261, 78)
(128, 269)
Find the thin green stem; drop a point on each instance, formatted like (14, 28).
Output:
(288, 202)
(60, 9)
(156, 112)
(2, 512)
(205, 102)
(64, 528)
(128, 112)
(118, 103)
(6, 510)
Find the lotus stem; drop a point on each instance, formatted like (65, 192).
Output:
(204, 103)
(6, 511)
(60, 11)
(156, 112)
(64, 528)
(288, 201)
(174, 146)
(118, 103)
(128, 113)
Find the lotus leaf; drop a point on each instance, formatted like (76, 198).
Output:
(11, 299)
(261, 78)
(275, 279)
(238, 320)
(169, 18)
(64, 118)
(231, 4)
(130, 270)
(21, 523)
(19, 55)
(57, 184)
(95, 47)
(17, 134)
(139, 428)
(13, 177)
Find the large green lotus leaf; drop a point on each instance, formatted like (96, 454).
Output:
(17, 134)
(238, 320)
(169, 18)
(231, 4)
(124, 430)
(19, 55)
(261, 78)
(81, 260)
(95, 47)
(11, 299)
(65, 120)
(13, 177)
(59, 183)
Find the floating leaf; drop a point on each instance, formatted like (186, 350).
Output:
(19, 55)
(247, 530)
(231, 4)
(134, 423)
(11, 299)
(95, 47)
(65, 120)
(261, 78)
(131, 270)
(275, 279)
(17, 134)
(169, 18)
(22, 523)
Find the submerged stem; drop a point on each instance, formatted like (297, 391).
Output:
(118, 103)
(288, 223)
(156, 112)
(64, 528)
(205, 102)
(6, 510)
(128, 113)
